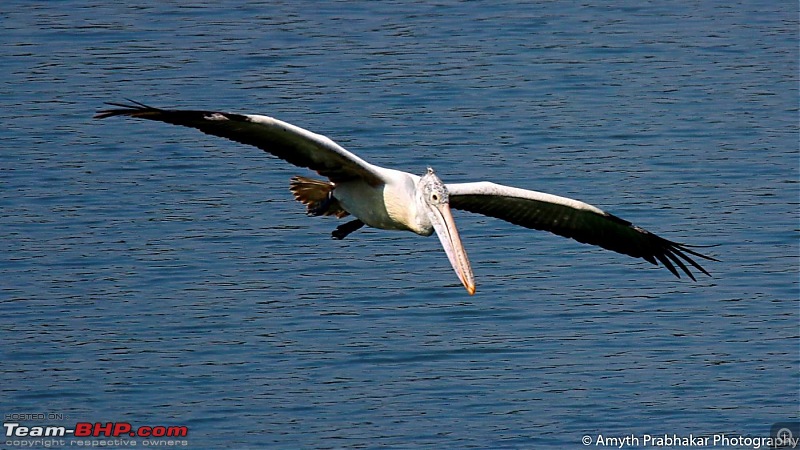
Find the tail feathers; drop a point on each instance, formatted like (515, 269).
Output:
(317, 195)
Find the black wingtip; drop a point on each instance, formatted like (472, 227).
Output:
(677, 253)
(125, 109)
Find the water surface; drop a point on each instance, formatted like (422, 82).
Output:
(158, 276)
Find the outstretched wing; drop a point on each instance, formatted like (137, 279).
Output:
(284, 140)
(573, 219)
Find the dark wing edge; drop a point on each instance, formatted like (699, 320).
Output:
(576, 220)
(291, 143)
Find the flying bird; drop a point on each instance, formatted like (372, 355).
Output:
(394, 200)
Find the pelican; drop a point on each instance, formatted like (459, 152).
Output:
(389, 199)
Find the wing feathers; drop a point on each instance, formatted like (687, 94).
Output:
(286, 141)
(573, 219)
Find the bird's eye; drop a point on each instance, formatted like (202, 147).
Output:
(435, 197)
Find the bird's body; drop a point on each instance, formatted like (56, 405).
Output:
(390, 206)
(394, 200)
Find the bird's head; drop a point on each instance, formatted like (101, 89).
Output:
(434, 200)
(433, 190)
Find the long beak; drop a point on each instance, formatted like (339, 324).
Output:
(445, 227)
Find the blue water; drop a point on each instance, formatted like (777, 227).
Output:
(158, 276)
